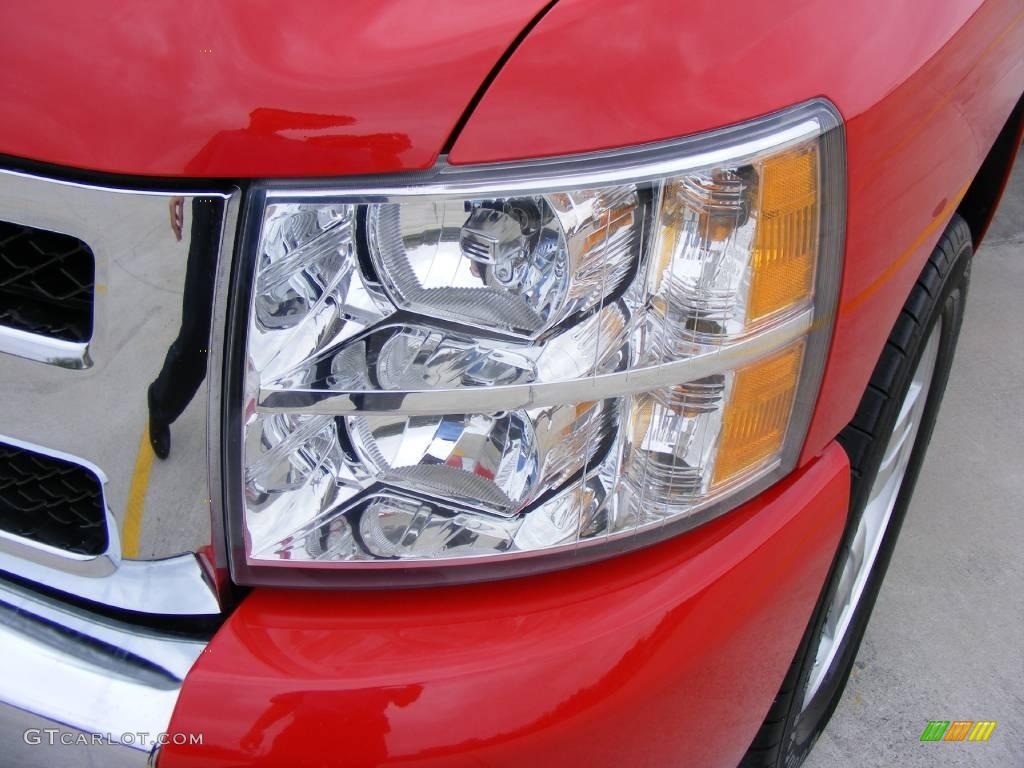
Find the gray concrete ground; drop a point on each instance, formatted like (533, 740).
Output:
(946, 641)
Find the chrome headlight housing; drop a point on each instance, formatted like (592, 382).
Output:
(475, 371)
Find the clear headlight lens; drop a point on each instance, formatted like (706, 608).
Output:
(514, 264)
(497, 363)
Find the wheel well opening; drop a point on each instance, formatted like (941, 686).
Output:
(982, 197)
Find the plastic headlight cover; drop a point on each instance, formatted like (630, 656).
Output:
(528, 365)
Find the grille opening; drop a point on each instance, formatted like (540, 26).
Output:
(51, 501)
(47, 282)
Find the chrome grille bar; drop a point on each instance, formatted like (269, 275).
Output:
(156, 283)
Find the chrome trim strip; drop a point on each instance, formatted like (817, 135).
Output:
(490, 399)
(63, 668)
(636, 164)
(128, 192)
(172, 586)
(44, 349)
(216, 378)
(42, 554)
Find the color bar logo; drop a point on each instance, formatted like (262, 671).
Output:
(958, 730)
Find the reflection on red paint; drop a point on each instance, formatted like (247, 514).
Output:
(245, 89)
(292, 720)
(301, 139)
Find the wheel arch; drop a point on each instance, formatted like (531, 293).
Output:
(981, 200)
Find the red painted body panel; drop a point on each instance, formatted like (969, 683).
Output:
(924, 90)
(667, 656)
(670, 654)
(244, 88)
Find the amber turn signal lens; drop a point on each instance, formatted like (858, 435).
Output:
(786, 244)
(755, 420)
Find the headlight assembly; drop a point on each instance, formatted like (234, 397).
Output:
(476, 371)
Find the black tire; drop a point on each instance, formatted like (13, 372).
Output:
(790, 728)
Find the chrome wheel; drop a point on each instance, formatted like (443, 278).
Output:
(871, 528)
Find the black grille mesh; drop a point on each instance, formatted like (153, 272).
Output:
(51, 501)
(47, 282)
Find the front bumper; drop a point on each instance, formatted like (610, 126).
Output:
(77, 689)
(670, 654)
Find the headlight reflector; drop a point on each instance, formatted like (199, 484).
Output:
(516, 265)
(491, 364)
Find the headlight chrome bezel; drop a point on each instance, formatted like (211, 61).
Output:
(638, 164)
